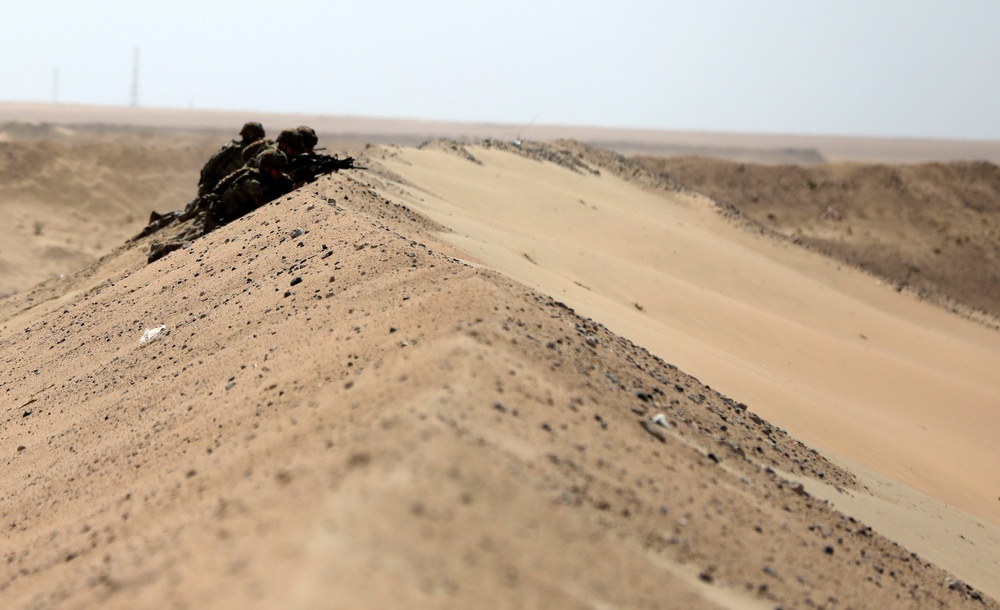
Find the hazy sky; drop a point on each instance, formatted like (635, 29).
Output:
(852, 67)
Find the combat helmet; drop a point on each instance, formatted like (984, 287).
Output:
(291, 137)
(309, 139)
(272, 158)
(252, 131)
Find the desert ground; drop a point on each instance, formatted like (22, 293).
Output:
(500, 369)
(929, 227)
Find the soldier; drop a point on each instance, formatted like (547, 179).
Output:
(289, 142)
(309, 164)
(249, 191)
(309, 140)
(255, 149)
(239, 194)
(229, 158)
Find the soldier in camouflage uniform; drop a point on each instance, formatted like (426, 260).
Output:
(309, 140)
(289, 142)
(239, 194)
(250, 189)
(229, 158)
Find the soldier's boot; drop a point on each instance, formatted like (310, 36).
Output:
(155, 225)
(158, 250)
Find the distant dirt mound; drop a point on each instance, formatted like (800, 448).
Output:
(765, 155)
(33, 131)
(586, 159)
(450, 146)
(933, 228)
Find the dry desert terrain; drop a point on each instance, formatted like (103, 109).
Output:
(496, 372)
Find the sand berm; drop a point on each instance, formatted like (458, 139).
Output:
(360, 414)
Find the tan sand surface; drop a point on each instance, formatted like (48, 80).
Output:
(841, 361)
(932, 228)
(369, 416)
(955, 540)
(355, 439)
(66, 203)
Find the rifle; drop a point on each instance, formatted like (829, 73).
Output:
(308, 166)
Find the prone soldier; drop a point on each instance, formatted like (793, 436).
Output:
(229, 158)
(239, 194)
(289, 142)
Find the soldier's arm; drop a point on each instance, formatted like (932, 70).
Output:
(241, 198)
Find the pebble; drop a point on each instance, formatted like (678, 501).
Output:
(655, 429)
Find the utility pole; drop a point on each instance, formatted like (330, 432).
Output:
(55, 85)
(135, 77)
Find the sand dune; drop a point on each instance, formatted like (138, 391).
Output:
(932, 228)
(388, 411)
(841, 361)
(70, 200)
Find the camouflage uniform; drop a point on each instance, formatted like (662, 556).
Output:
(243, 192)
(289, 142)
(196, 206)
(255, 149)
(249, 190)
(229, 158)
(214, 177)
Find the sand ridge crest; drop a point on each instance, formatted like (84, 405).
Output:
(364, 412)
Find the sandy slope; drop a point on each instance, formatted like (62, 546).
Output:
(845, 363)
(397, 429)
(402, 429)
(933, 228)
(68, 200)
